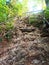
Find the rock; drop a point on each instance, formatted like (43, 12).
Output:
(35, 61)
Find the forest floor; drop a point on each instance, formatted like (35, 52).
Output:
(26, 47)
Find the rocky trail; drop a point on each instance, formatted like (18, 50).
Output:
(26, 47)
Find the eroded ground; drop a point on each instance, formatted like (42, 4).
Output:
(26, 47)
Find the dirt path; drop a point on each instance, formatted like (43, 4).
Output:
(27, 47)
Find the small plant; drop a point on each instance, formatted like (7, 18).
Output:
(9, 25)
(8, 35)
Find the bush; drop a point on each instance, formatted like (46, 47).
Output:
(9, 25)
(47, 13)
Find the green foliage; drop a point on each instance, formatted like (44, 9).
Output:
(4, 11)
(18, 7)
(47, 3)
(47, 13)
(15, 8)
(3, 2)
(5, 16)
(9, 25)
(32, 18)
(47, 9)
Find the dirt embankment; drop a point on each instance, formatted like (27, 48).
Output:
(26, 47)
